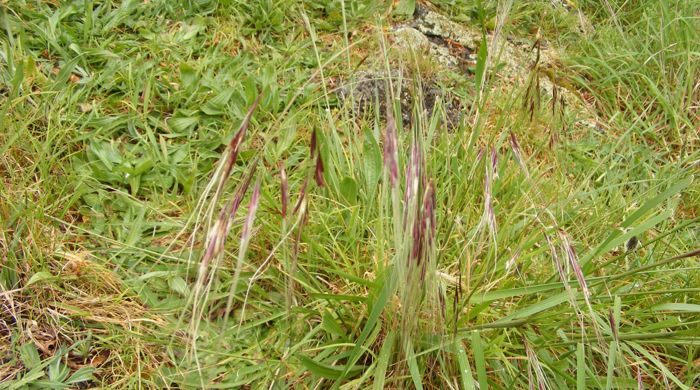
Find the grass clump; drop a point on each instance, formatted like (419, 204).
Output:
(188, 201)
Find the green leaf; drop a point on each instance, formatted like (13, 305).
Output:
(348, 190)
(17, 78)
(29, 355)
(614, 240)
(217, 105)
(179, 285)
(479, 360)
(580, 367)
(182, 125)
(372, 161)
(671, 191)
(387, 289)
(405, 8)
(328, 371)
(494, 295)
(330, 325)
(105, 153)
(413, 367)
(40, 277)
(612, 356)
(481, 58)
(536, 308)
(618, 238)
(142, 165)
(660, 365)
(58, 372)
(383, 361)
(465, 370)
(677, 307)
(81, 375)
(188, 76)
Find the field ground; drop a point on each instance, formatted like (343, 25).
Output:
(348, 194)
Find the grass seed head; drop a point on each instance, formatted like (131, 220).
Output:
(235, 144)
(318, 175)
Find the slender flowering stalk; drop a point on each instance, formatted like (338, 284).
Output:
(429, 210)
(564, 279)
(390, 150)
(216, 241)
(489, 216)
(512, 262)
(284, 194)
(250, 217)
(302, 195)
(640, 382)
(240, 193)
(413, 180)
(515, 147)
(494, 163)
(573, 262)
(427, 227)
(558, 265)
(284, 189)
(313, 144)
(246, 235)
(479, 155)
(613, 325)
(217, 235)
(535, 362)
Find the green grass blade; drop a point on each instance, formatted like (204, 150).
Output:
(377, 308)
(479, 360)
(383, 361)
(612, 357)
(413, 368)
(580, 367)
(465, 370)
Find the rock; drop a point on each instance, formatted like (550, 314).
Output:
(408, 38)
(432, 24)
(369, 92)
(455, 46)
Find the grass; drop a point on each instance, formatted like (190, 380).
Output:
(153, 237)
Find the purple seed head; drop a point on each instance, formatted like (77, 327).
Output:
(235, 143)
(494, 159)
(319, 171)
